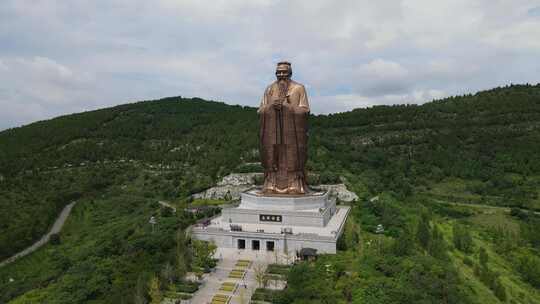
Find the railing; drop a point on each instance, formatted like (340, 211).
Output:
(309, 236)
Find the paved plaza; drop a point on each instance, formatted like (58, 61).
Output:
(227, 263)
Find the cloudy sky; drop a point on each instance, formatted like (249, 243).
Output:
(60, 57)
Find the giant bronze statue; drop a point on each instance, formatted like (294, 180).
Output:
(284, 111)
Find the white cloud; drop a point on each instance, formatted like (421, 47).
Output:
(517, 37)
(423, 96)
(70, 56)
(383, 69)
(3, 66)
(345, 102)
(45, 67)
(39, 87)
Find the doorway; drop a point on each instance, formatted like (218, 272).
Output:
(270, 246)
(241, 244)
(255, 245)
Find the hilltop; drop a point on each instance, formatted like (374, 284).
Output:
(478, 149)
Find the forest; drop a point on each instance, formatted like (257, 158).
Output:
(458, 182)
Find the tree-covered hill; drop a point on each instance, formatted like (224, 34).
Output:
(169, 130)
(490, 139)
(477, 149)
(471, 136)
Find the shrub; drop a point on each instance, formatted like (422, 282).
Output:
(529, 267)
(267, 295)
(187, 286)
(166, 211)
(462, 238)
(278, 269)
(404, 244)
(516, 212)
(468, 261)
(250, 168)
(258, 179)
(55, 239)
(499, 290)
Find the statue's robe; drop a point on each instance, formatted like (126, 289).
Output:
(283, 139)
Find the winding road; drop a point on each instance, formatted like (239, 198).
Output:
(57, 226)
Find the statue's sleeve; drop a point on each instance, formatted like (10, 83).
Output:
(264, 100)
(303, 101)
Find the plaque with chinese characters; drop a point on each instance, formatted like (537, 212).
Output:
(270, 218)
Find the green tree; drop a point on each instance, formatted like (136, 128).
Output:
(203, 252)
(260, 276)
(437, 245)
(461, 238)
(310, 284)
(423, 232)
(529, 267)
(181, 252)
(404, 244)
(168, 273)
(140, 292)
(350, 237)
(483, 257)
(499, 290)
(228, 196)
(154, 291)
(55, 239)
(347, 284)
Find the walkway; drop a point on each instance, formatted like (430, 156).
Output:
(57, 226)
(229, 258)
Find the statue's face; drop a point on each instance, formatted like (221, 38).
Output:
(282, 72)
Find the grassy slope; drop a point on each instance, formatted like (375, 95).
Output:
(486, 224)
(459, 190)
(480, 225)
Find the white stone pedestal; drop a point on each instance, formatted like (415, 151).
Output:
(282, 223)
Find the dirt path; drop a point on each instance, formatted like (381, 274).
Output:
(57, 226)
(167, 205)
(502, 208)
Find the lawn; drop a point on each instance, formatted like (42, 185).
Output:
(228, 287)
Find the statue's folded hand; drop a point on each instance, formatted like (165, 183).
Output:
(266, 107)
(277, 103)
(301, 110)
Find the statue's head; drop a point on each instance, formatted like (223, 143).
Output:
(283, 70)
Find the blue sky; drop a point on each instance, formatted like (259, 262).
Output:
(60, 57)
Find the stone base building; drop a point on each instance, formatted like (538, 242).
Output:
(285, 224)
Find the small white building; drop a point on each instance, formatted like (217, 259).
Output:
(283, 223)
